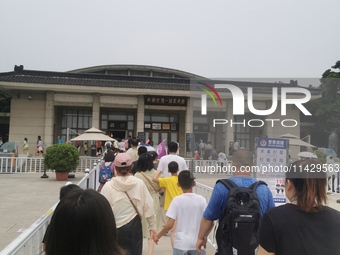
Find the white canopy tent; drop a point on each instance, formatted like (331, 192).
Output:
(93, 134)
(307, 154)
(289, 135)
(298, 142)
(294, 141)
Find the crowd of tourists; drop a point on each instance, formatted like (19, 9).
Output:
(142, 197)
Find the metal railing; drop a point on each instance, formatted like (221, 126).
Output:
(36, 164)
(206, 192)
(30, 241)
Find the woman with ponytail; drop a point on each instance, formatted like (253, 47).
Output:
(305, 225)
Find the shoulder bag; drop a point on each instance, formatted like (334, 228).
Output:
(148, 180)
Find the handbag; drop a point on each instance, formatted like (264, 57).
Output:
(148, 180)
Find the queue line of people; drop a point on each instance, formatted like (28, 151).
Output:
(303, 226)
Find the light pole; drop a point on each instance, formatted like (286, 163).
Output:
(68, 133)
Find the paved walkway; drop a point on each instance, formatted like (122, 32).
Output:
(24, 197)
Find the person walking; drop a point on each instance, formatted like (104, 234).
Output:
(130, 200)
(82, 224)
(106, 170)
(25, 146)
(222, 158)
(85, 148)
(171, 191)
(237, 145)
(154, 156)
(133, 151)
(145, 171)
(141, 150)
(305, 225)
(214, 155)
(218, 201)
(165, 160)
(40, 146)
(187, 209)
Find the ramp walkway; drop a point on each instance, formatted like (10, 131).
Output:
(26, 199)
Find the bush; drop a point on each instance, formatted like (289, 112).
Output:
(61, 157)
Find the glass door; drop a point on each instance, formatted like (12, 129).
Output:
(155, 138)
(158, 136)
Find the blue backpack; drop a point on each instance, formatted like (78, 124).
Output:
(105, 173)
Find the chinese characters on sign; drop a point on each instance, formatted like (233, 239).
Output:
(271, 158)
(165, 100)
(161, 126)
(156, 126)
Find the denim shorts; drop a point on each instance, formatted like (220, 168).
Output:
(188, 252)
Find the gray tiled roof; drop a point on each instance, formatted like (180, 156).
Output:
(128, 82)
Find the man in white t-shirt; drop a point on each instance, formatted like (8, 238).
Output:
(165, 160)
(222, 158)
(237, 145)
(187, 210)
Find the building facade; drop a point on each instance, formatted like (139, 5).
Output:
(127, 100)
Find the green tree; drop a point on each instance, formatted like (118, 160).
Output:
(5, 102)
(326, 109)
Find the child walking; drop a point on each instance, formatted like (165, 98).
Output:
(187, 210)
(169, 183)
(171, 190)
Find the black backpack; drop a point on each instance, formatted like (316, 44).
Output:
(237, 232)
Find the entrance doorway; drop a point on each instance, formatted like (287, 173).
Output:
(117, 134)
(158, 136)
(201, 137)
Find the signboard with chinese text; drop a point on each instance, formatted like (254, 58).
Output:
(161, 126)
(156, 126)
(166, 126)
(165, 100)
(271, 162)
(141, 136)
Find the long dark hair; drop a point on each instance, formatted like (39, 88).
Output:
(82, 224)
(144, 163)
(309, 180)
(109, 156)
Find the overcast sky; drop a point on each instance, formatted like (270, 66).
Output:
(215, 39)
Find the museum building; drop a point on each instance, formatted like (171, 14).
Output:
(136, 100)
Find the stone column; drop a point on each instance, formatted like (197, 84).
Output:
(49, 119)
(140, 115)
(229, 130)
(96, 111)
(189, 114)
